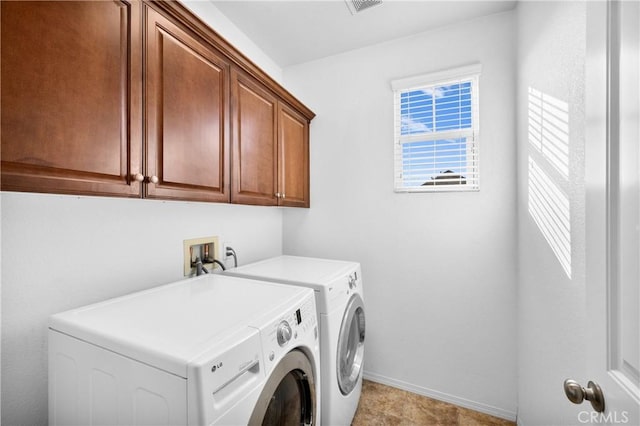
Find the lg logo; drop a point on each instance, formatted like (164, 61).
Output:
(216, 366)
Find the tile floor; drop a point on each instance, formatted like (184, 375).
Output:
(382, 405)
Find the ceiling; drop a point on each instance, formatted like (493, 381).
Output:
(293, 32)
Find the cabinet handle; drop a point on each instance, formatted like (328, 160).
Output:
(154, 179)
(283, 195)
(138, 177)
(277, 195)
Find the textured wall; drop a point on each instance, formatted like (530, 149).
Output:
(63, 252)
(439, 269)
(551, 297)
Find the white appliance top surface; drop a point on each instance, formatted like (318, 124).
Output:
(170, 325)
(312, 272)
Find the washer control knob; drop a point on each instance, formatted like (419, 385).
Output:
(284, 333)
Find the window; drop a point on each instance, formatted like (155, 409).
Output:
(436, 131)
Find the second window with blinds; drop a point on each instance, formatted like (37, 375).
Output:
(436, 134)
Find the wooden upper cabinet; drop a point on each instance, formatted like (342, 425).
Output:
(71, 96)
(270, 147)
(142, 99)
(254, 116)
(186, 114)
(293, 158)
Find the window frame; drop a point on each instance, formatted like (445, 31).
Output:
(431, 81)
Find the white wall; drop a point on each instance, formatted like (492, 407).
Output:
(212, 16)
(60, 252)
(551, 303)
(1, 309)
(439, 269)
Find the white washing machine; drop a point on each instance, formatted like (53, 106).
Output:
(340, 304)
(207, 350)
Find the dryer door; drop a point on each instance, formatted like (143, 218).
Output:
(288, 397)
(351, 345)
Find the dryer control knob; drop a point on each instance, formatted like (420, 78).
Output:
(284, 333)
(352, 281)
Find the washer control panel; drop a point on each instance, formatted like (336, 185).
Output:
(353, 280)
(299, 323)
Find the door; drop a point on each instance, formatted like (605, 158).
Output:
(288, 397)
(71, 97)
(350, 352)
(186, 109)
(255, 147)
(613, 209)
(293, 158)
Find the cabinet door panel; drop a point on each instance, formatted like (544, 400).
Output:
(187, 104)
(254, 143)
(71, 97)
(293, 164)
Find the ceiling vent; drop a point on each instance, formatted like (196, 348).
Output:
(356, 6)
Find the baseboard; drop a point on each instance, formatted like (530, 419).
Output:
(440, 396)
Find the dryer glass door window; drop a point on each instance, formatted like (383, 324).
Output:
(288, 397)
(351, 345)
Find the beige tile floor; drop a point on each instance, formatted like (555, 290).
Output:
(382, 405)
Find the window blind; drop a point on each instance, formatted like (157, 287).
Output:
(436, 131)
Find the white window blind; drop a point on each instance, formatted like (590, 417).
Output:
(436, 131)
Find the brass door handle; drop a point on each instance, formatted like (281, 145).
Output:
(592, 393)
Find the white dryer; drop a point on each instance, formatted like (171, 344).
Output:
(340, 304)
(207, 350)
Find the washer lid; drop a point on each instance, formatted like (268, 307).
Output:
(170, 325)
(311, 272)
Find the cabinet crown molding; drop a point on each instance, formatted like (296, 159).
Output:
(191, 21)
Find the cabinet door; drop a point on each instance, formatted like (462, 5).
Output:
(293, 158)
(254, 115)
(186, 113)
(71, 97)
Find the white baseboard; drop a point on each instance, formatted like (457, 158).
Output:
(440, 396)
